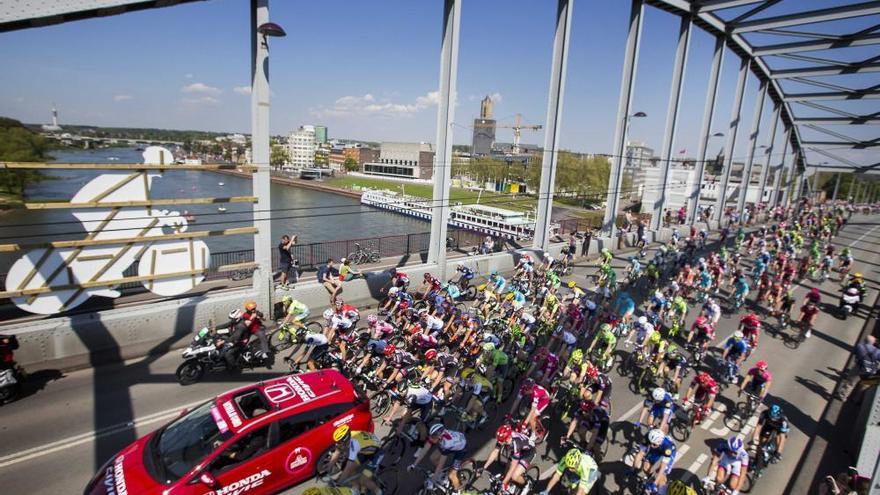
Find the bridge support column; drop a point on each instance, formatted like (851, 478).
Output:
(768, 152)
(681, 53)
(624, 107)
(263, 279)
(836, 186)
(753, 142)
(777, 175)
(445, 118)
(735, 116)
(705, 132)
(554, 121)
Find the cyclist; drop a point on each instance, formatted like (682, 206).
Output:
(480, 388)
(540, 399)
(673, 364)
(702, 391)
(757, 381)
(464, 280)
(772, 426)
(735, 349)
(496, 283)
(605, 256)
(316, 346)
(418, 401)
(702, 333)
(449, 443)
(655, 458)
(750, 326)
(606, 340)
(522, 451)
(809, 312)
(380, 332)
(593, 418)
(295, 312)
(729, 465)
(575, 470)
(659, 405)
(364, 455)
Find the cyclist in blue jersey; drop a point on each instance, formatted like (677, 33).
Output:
(655, 458)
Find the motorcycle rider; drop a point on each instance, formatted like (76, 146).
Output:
(9, 376)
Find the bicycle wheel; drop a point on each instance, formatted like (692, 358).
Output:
(380, 403)
(735, 421)
(680, 429)
(281, 339)
(374, 256)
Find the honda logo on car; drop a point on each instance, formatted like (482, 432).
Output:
(302, 389)
(278, 393)
(243, 485)
(114, 479)
(233, 415)
(298, 459)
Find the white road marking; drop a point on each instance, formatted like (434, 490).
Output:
(863, 236)
(49, 448)
(708, 422)
(681, 452)
(629, 413)
(547, 472)
(695, 466)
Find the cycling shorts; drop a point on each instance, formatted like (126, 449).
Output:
(731, 465)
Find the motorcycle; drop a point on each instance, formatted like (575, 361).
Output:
(11, 378)
(849, 302)
(208, 350)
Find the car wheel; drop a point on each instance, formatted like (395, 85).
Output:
(324, 466)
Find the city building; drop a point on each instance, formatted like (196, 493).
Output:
(361, 154)
(336, 159)
(53, 127)
(302, 147)
(638, 156)
(681, 181)
(320, 134)
(484, 130)
(403, 160)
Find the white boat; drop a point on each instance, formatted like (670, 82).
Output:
(485, 219)
(221, 209)
(221, 183)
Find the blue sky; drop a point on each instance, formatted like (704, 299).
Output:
(368, 69)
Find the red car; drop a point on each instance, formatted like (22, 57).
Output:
(259, 439)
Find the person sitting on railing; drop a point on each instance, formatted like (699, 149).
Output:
(328, 276)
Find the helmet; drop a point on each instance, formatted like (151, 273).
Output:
(339, 303)
(427, 276)
(703, 378)
(527, 387)
(436, 429)
(658, 394)
(775, 412)
(372, 319)
(509, 296)
(642, 320)
(389, 350)
(656, 436)
(342, 433)
(592, 372)
(586, 405)
(577, 356)
(431, 354)
(488, 347)
(572, 458)
(606, 251)
(734, 443)
(503, 433)
(328, 313)
(761, 365)
(605, 327)
(286, 300)
(250, 305)
(857, 275)
(572, 284)
(527, 257)
(461, 264)
(235, 314)
(737, 335)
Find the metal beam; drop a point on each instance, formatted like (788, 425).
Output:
(808, 46)
(706, 130)
(777, 174)
(23, 14)
(260, 150)
(834, 156)
(809, 17)
(554, 121)
(768, 152)
(445, 118)
(751, 13)
(753, 144)
(712, 5)
(735, 117)
(832, 133)
(678, 69)
(624, 107)
(857, 145)
(833, 96)
(826, 70)
(836, 187)
(862, 119)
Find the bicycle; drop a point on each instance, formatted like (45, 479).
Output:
(742, 412)
(242, 273)
(285, 336)
(444, 487)
(363, 255)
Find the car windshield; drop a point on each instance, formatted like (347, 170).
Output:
(186, 441)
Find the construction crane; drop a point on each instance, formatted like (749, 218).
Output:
(517, 127)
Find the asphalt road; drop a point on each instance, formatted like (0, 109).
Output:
(56, 437)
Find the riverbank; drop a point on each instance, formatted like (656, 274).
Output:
(305, 184)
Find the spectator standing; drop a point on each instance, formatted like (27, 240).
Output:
(588, 237)
(328, 276)
(867, 364)
(289, 272)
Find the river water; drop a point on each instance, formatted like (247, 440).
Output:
(312, 215)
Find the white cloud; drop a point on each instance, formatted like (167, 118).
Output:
(202, 88)
(242, 90)
(188, 76)
(202, 100)
(122, 97)
(369, 105)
